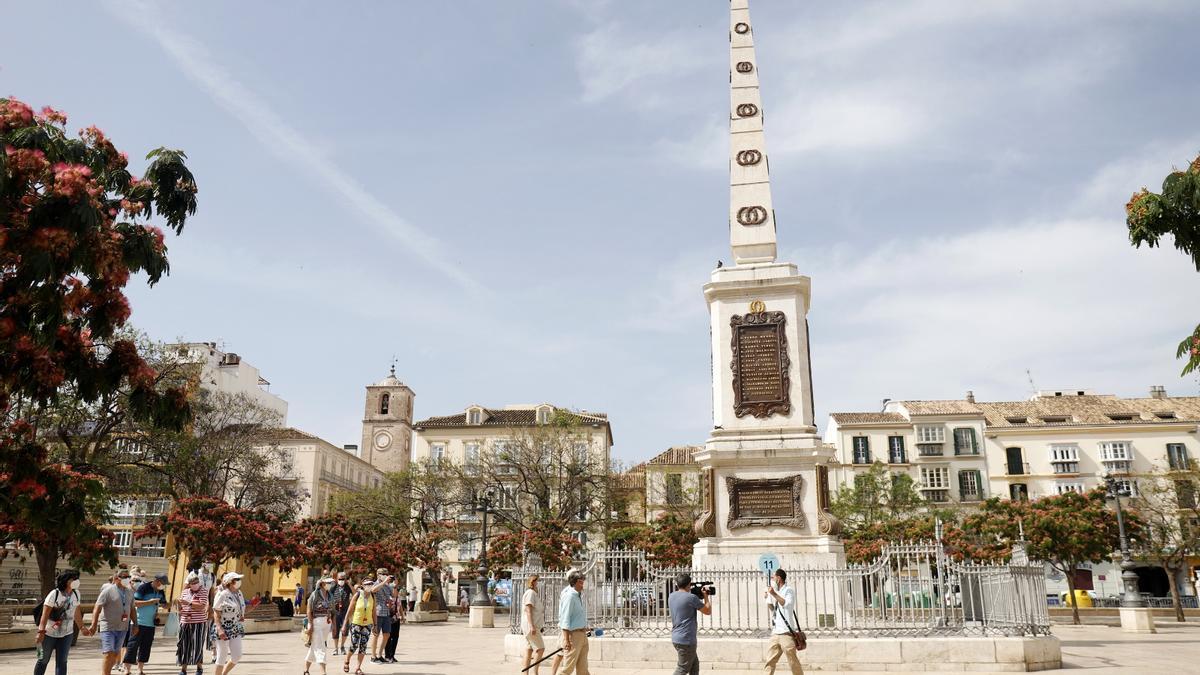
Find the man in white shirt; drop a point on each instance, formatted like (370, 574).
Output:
(782, 601)
(531, 619)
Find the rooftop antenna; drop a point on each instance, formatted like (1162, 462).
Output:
(1033, 387)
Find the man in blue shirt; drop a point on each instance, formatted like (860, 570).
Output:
(572, 620)
(146, 600)
(684, 604)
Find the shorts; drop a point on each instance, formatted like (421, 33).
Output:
(359, 637)
(111, 641)
(535, 641)
(383, 624)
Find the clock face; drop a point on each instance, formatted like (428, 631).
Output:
(383, 440)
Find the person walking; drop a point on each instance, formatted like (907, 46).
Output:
(531, 622)
(193, 625)
(61, 612)
(360, 617)
(401, 603)
(208, 580)
(683, 605)
(111, 615)
(298, 601)
(383, 617)
(320, 621)
(148, 597)
(782, 600)
(389, 650)
(572, 621)
(229, 616)
(341, 602)
(464, 601)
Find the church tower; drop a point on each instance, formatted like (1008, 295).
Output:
(387, 424)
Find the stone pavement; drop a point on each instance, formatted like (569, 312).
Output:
(454, 649)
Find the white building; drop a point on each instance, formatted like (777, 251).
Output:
(320, 469)
(226, 372)
(672, 483)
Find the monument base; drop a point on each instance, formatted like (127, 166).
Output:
(482, 617)
(793, 553)
(940, 654)
(1137, 620)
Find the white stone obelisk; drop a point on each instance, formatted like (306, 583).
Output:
(763, 431)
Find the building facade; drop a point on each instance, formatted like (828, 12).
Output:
(387, 424)
(463, 438)
(319, 469)
(673, 484)
(1057, 441)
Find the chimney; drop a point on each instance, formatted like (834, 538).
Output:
(352, 449)
(1158, 391)
(883, 403)
(970, 397)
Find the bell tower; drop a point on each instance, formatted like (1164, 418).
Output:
(387, 424)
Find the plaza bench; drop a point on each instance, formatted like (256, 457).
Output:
(268, 611)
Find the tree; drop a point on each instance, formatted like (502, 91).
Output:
(1174, 211)
(551, 541)
(209, 529)
(668, 540)
(74, 225)
(876, 496)
(1167, 507)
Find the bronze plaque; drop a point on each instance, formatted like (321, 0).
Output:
(765, 501)
(761, 386)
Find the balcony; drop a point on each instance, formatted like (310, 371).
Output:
(1016, 469)
(898, 458)
(970, 495)
(862, 459)
(1117, 465)
(930, 449)
(938, 495)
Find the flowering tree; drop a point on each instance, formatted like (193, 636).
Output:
(1174, 211)
(551, 541)
(668, 541)
(1169, 511)
(212, 530)
(74, 225)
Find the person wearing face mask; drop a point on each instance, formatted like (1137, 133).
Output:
(360, 617)
(229, 616)
(61, 612)
(146, 600)
(320, 621)
(340, 596)
(111, 615)
(193, 625)
(208, 580)
(393, 641)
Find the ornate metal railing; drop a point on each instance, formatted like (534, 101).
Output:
(910, 590)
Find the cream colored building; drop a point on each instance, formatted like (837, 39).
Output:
(673, 483)
(387, 424)
(226, 372)
(462, 438)
(320, 469)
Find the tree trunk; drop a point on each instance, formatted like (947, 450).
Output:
(1071, 595)
(1175, 602)
(47, 563)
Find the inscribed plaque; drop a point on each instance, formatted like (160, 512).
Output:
(760, 365)
(760, 502)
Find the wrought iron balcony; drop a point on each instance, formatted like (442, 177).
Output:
(1016, 469)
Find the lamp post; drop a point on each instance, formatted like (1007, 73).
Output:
(1129, 578)
(480, 597)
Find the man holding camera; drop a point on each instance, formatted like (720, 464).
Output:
(684, 603)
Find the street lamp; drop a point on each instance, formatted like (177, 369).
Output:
(1129, 578)
(480, 597)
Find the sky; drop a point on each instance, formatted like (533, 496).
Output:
(519, 201)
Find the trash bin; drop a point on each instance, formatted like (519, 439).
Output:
(1082, 599)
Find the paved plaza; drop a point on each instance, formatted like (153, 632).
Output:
(454, 649)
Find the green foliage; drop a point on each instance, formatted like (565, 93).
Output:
(876, 496)
(1174, 211)
(667, 541)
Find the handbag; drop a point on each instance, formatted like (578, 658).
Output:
(59, 612)
(799, 639)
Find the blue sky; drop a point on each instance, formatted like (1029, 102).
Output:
(521, 199)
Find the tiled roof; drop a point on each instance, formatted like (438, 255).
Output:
(680, 454)
(510, 418)
(634, 478)
(1090, 410)
(290, 434)
(950, 407)
(867, 418)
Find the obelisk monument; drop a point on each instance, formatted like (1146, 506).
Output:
(764, 466)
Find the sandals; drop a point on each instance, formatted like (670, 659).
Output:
(346, 666)
(359, 672)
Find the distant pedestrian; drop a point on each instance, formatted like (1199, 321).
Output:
(111, 615)
(148, 597)
(229, 616)
(340, 593)
(193, 625)
(531, 624)
(572, 621)
(412, 598)
(61, 613)
(359, 619)
(464, 600)
(320, 622)
(401, 603)
(299, 600)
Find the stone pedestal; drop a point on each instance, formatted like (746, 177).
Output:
(1137, 620)
(482, 617)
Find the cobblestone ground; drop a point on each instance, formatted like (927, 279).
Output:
(454, 649)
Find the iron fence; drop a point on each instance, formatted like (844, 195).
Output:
(909, 590)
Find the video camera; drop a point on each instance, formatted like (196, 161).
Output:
(707, 585)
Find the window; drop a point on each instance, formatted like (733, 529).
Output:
(543, 415)
(1185, 494)
(1018, 492)
(1017, 420)
(437, 453)
(506, 497)
(130, 447)
(1123, 417)
(965, 442)
(385, 402)
(471, 458)
(1054, 420)
(1165, 415)
(1177, 456)
(1126, 487)
(468, 546)
(1116, 455)
(674, 489)
(1063, 488)
(1064, 458)
(935, 477)
(1013, 464)
(122, 539)
(896, 454)
(862, 450)
(581, 453)
(475, 417)
(970, 485)
(931, 434)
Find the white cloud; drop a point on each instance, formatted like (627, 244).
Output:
(611, 61)
(1112, 185)
(281, 138)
